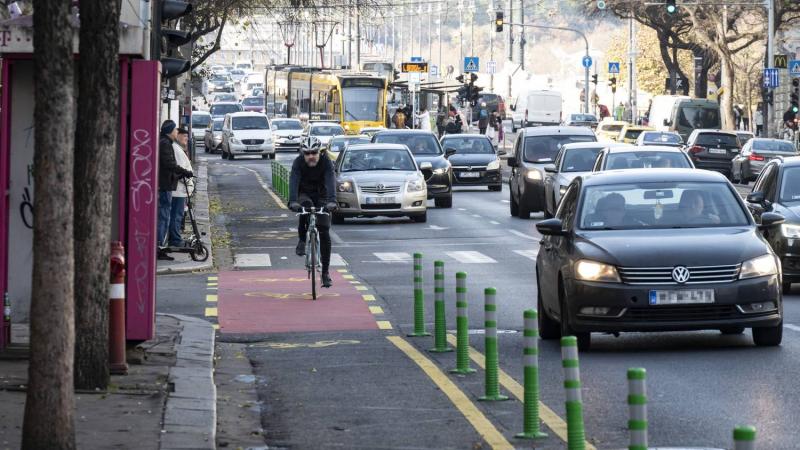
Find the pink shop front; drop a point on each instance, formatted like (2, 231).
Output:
(135, 189)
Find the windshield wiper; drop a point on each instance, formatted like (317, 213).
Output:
(351, 114)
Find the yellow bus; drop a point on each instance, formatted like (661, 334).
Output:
(354, 100)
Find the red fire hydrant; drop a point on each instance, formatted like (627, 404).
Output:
(116, 316)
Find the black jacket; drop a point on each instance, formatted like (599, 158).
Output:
(317, 182)
(169, 172)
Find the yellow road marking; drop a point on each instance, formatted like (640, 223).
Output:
(347, 277)
(215, 326)
(548, 416)
(368, 297)
(213, 284)
(355, 282)
(212, 298)
(211, 312)
(361, 288)
(341, 270)
(376, 310)
(212, 278)
(482, 425)
(384, 325)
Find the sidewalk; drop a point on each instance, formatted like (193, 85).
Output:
(183, 262)
(167, 400)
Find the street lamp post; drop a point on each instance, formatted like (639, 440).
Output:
(460, 30)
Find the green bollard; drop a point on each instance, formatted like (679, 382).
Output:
(419, 299)
(492, 382)
(576, 436)
(744, 438)
(637, 409)
(462, 326)
(530, 357)
(440, 322)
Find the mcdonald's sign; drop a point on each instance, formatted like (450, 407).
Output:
(780, 61)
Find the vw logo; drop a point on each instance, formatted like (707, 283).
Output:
(680, 274)
(380, 186)
(469, 167)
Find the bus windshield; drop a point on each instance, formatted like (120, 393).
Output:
(362, 103)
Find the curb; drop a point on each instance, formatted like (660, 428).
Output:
(190, 411)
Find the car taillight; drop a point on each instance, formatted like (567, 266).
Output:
(755, 157)
(695, 149)
(526, 115)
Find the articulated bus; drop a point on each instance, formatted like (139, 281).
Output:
(354, 100)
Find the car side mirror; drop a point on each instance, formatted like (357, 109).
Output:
(501, 152)
(666, 122)
(512, 162)
(426, 166)
(550, 168)
(551, 227)
(769, 219)
(513, 107)
(756, 197)
(449, 152)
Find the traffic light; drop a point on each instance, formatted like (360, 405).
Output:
(769, 97)
(165, 11)
(795, 95)
(613, 83)
(601, 4)
(473, 77)
(671, 6)
(594, 78)
(498, 21)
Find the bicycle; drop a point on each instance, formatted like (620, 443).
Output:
(313, 264)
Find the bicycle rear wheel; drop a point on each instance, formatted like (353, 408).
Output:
(314, 258)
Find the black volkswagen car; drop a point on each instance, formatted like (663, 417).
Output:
(475, 162)
(425, 148)
(777, 190)
(657, 250)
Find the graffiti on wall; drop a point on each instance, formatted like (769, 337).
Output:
(142, 196)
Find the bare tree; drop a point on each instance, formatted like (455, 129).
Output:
(49, 419)
(95, 149)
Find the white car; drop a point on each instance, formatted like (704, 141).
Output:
(200, 121)
(571, 161)
(247, 133)
(287, 134)
(321, 132)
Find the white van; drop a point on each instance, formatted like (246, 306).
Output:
(535, 108)
(247, 66)
(661, 109)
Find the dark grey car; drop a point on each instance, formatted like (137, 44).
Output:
(755, 154)
(622, 255)
(713, 149)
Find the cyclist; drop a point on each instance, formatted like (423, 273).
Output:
(313, 183)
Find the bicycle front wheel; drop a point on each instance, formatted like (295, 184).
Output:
(314, 259)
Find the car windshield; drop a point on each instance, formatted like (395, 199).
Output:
(773, 146)
(221, 110)
(326, 130)
(611, 128)
(250, 123)
(201, 120)
(662, 138)
(697, 117)
(544, 148)
(225, 98)
(253, 101)
(419, 144)
(287, 125)
(221, 78)
(579, 159)
(710, 139)
(583, 118)
(646, 160)
(217, 125)
(338, 144)
(632, 134)
(790, 185)
(660, 205)
(381, 159)
(469, 145)
(362, 103)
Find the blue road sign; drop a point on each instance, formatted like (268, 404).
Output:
(613, 67)
(434, 70)
(794, 68)
(416, 59)
(771, 78)
(587, 61)
(471, 64)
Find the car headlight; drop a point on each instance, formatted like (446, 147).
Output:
(234, 140)
(416, 185)
(268, 140)
(561, 190)
(494, 165)
(534, 175)
(440, 170)
(345, 186)
(595, 271)
(790, 231)
(759, 267)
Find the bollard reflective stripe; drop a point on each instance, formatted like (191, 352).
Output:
(462, 326)
(572, 385)
(419, 299)
(637, 409)
(744, 438)
(530, 359)
(116, 311)
(440, 322)
(492, 385)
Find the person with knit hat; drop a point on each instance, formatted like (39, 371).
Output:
(169, 172)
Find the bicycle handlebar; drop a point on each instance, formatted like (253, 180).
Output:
(321, 211)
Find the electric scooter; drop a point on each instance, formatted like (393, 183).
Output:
(193, 245)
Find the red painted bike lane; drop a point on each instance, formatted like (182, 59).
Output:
(279, 301)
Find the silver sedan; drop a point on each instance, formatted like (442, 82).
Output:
(379, 180)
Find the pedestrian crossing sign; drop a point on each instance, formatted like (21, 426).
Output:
(613, 67)
(794, 68)
(471, 64)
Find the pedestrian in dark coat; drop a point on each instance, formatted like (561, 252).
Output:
(169, 172)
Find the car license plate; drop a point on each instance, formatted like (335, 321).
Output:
(380, 200)
(681, 297)
(718, 151)
(254, 147)
(470, 174)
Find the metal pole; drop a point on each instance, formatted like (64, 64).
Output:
(472, 29)
(632, 66)
(522, 35)
(460, 32)
(358, 35)
(394, 41)
(349, 35)
(439, 34)
(770, 61)
(430, 48)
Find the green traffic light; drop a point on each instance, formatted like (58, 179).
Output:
(670, 9)
(795, 109)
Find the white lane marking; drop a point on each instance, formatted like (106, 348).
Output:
(247, 260)
(471, 257)
(505, 201)
(337, 260)
(523, 235)
(461, 209)
(494, 222)
(791, 327)
(437, 228)
(393, 257)
(530, 254)
(476, 215)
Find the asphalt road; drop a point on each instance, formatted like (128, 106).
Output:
(372, 395)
